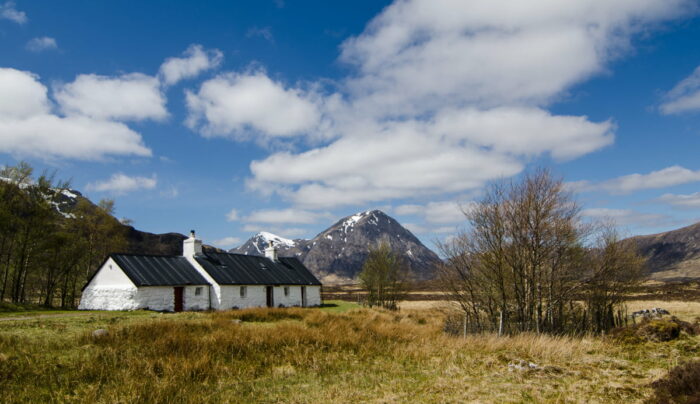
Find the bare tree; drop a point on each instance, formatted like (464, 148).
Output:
(384, 276)
(524, 260)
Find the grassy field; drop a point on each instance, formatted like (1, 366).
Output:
(338, 353)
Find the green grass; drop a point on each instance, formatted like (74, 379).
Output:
(313, 355)
(338, 306)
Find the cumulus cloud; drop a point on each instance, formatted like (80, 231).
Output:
(195, 60)
(233, 104)
(9, 12)
(41, 44)
(28, 127)
(397, 161)
(687, 201)
(669, 176)
(120, 184)
(420, 54)
(439, 212)
(449, 94)
(443, 95)
(684, 97)
(227, 242)
(286, 216)
(132, 96)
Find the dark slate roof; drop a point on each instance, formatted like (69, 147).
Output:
(240, 269)
(157, 270)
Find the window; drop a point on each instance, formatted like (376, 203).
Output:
(243, 291)
(198, 291)
(286, 290)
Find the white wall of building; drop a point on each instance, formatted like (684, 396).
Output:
(313, 296)
(255, 296)
(111, 289)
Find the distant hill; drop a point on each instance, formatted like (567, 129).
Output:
(673, 255)
(337, 253)
(139, 242)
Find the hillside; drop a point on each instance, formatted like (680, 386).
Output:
(673, 255)
(139, 242)
(337, 253)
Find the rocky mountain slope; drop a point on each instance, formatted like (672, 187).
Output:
(673, 255)
(337, 253)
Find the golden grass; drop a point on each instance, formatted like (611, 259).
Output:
(312, 356)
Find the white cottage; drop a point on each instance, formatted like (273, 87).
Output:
(200, 281)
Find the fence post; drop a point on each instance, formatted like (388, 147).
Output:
(465, 325)
(500, 323)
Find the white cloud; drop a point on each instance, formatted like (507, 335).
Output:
(9, 12)
(293, 216)
(525, 131)
(196, 60)
(684, 97)
(424, 54)
(29, 128)
(232, 215)
(667, 177)
(41, 44)
(120, 184)
(626, 217)
(436, 212)
(689, 201)
(132, 96)
(264, 32)
(449, 94)
(399, 160)
(233, 104)
(227, 242)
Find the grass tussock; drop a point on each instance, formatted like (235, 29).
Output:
(312, 355)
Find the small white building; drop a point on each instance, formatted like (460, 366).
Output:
(200, 281)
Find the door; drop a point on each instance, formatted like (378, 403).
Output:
(179, 292)
(270, 297)
(303, 296)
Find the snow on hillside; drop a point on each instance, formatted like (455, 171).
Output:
(263, 240)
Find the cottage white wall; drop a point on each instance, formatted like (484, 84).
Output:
(231, 297)
(109, 289)
(294, 298)
(108, 298)
(214, 289)
(194, 302)
(313, 296)
(109, 275)
(158, 298)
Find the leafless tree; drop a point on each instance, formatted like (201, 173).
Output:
(524, 263)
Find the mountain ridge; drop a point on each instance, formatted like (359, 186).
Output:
(337, 253)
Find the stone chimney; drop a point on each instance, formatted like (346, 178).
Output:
(191, 246)
(271, 252)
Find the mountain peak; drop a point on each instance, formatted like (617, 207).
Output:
(339, 251)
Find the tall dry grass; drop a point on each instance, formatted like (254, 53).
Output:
(302, 355)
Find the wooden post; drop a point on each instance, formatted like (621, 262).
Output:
(465, 325)
(500, 323)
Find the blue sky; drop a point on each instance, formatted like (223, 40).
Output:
(237, 117)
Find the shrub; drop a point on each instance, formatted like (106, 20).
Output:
(679, 386)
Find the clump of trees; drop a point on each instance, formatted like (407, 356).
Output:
(384, 277)
(47, 255)
(529, 263)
